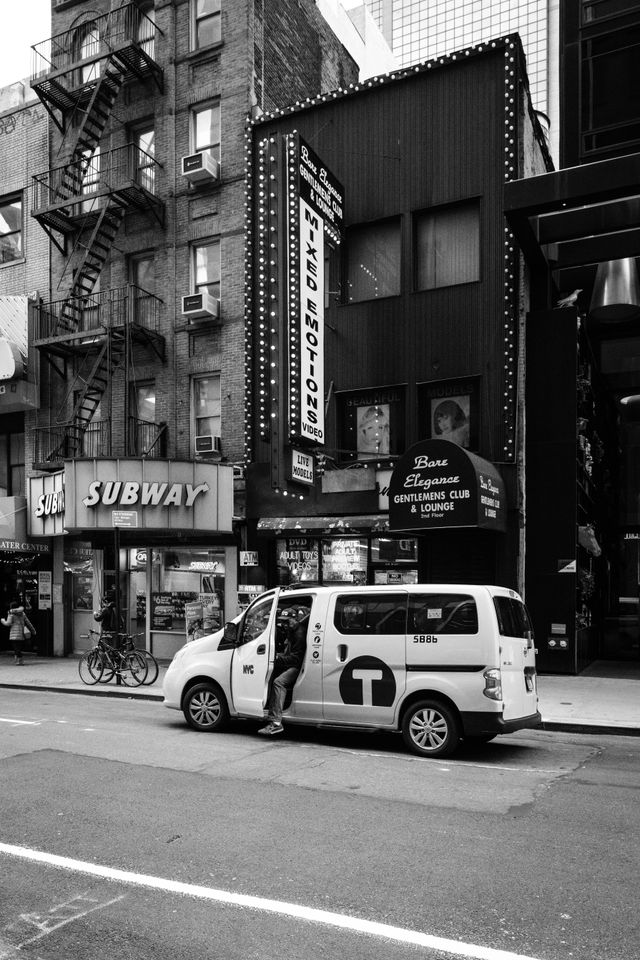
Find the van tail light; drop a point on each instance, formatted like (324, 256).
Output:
(493, 684)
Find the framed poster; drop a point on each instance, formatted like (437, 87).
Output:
(449, 410)
(371, 423)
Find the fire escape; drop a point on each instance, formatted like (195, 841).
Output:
(87, 335)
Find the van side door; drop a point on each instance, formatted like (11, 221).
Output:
(517, 660)
(363, 665)
(253, 657)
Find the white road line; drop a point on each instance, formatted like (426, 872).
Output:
(353, 924)
(28, 723)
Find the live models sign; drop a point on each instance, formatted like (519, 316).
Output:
(317, 215)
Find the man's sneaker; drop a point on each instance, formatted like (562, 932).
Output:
(271, 729)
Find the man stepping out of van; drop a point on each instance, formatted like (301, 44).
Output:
(286, 669)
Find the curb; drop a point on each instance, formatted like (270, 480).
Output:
(599, 729)
(128, 693)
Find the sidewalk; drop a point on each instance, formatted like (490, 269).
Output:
(603, 699)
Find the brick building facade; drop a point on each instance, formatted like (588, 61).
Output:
(132, 372)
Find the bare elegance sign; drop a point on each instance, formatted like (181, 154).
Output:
(437, 484)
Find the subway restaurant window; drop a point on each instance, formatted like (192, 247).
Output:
(183, 577)
(371, 423)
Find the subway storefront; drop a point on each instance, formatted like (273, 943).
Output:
(159, 531)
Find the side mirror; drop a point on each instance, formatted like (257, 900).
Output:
(230, 633)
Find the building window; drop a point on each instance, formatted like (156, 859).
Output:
(91, 181)
(143, 402)
(610, 65)
(146, 29)
(206, 404)
(90, 46)
(143, 277)
(12, 479)
(143, 434)
(206, 130)
(206, 268)
(372, 423)
(10, 229)
(145, 141)
(447, 246)
(373, 261)
(206, 23)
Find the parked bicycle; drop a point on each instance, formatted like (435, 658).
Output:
(128, 642)
(107, 660)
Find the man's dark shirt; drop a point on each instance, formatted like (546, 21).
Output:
(295, 647)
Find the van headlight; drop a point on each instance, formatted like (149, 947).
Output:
(493, 684)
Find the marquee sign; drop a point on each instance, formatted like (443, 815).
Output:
(314, 209)
(438, 484)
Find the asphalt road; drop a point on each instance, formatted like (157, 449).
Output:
(125, 834)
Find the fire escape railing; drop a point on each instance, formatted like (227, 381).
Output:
(102, 311)
(126, 169)
(60, 442)
(92, 41)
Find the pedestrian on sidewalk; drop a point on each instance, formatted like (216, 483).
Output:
(17, 620)
(107, 616)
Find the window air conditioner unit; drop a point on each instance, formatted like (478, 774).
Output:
(200, 168)
(207, 444)
(198, 306)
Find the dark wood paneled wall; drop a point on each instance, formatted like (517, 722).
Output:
(400, 147)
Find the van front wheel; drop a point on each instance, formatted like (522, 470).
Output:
(205, 707)
(431, 729)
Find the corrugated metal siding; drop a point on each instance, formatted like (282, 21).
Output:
(14, 314)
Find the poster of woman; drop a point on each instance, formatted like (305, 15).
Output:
(373, 430)
(450, 419)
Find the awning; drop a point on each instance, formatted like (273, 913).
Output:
(299, 526)
(438, 484)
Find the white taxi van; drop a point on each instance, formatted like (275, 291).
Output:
(440, 663)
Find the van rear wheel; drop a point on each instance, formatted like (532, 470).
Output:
(205, 707)
(431, 729)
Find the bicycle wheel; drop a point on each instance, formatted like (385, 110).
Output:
(108, 667)
(90, 667)
(152, 667)
(132, 669)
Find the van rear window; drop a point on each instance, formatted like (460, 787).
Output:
(374, 614)
(513, 619)
(442, 613)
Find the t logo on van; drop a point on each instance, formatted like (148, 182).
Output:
(368, 681)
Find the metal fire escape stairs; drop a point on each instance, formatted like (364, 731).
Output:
(95, 371)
